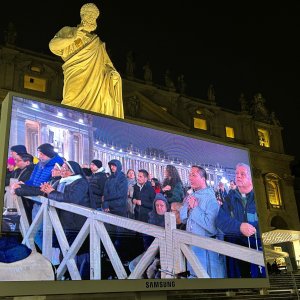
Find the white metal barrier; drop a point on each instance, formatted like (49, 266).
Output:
(171, 243)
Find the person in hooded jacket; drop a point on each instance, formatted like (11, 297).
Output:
(155, 217)
(73, 187)
(115, 199)
(115, 190)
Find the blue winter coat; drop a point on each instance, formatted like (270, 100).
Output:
(115, 191)
(201, 221)
(42, 173)
(231, 215)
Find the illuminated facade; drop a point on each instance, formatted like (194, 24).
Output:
(250, 126)
(135, 159)
(69, 134)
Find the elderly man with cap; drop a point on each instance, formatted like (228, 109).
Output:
(97, 181)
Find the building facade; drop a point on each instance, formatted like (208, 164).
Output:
(252, 127)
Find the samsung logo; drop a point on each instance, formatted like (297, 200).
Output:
(160, 284)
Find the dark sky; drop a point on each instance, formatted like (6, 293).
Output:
(249, 47)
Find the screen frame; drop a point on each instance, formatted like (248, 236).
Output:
(109, 286)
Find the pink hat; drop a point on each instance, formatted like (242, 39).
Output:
(11, 161)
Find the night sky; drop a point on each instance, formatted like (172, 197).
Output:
(249, 47)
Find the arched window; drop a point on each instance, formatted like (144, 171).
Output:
(273, 190)
(263, 137)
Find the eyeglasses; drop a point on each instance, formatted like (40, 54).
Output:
(65, 169)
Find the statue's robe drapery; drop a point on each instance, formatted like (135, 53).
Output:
(90, 80)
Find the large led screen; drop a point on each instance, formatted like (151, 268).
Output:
(122, 205)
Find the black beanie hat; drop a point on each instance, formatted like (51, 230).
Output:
(47, 149)
(19, 149)
(97, 163)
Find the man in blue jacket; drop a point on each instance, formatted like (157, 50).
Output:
(41, 173)
(238, 220)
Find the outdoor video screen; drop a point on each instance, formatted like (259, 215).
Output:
(100, 198)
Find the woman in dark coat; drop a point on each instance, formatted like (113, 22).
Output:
(97, 182)
(73, 187)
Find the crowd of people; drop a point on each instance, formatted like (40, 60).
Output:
(227, 215)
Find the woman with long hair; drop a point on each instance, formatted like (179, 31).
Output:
(131, 178)
(172, 185)
(156, 185)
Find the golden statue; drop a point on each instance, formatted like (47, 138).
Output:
(90, 80)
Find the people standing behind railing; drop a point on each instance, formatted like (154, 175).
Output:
(156, 216)
(97, 182)
(41, 174)
(238, 220)
(131, 179)
(199, 212)
(172, 185)
(143, 196)
(73, 187)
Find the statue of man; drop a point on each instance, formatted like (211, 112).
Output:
(90, 80)
(147, 72)
(243, 102)
(130, 64)
(211, 93)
